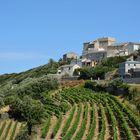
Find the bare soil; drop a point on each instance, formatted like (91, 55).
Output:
(53, 122)
(97, 123)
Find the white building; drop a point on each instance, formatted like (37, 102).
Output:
(129, 67)
(132, 47)
(67, 70)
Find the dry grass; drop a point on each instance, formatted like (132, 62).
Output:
(137, 86)
(5, 109)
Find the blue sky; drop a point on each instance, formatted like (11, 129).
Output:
(32, 31)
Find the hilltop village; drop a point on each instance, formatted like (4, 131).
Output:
(76, 98)
(94, 52)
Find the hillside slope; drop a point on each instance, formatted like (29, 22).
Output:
(16, 78)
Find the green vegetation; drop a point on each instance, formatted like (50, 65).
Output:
(2, 128)
(83, 125)
(13, 132)
(7, 130)
(29, 110)
(33, 97)
(27, 95)
(102, 120)
(46, 128)
(113, 62)
(115, 87)
(68, 122)
(70, 133)
(122, 119)
(23, 135)
(92, 125)
(106, 65)
(113, 120)
(134, 98)
(50, 68)
(107, 105)
(57, 126)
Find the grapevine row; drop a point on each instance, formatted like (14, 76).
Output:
(68, 122)
(93, 125)
(120, 116)
(46, 128)
(83, 125)
(70, 133)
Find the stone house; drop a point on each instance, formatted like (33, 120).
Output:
(70, 55)
(101, 48)
(67, 70)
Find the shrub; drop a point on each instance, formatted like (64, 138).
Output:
(95, 86)
(118, 87)
(23, 135)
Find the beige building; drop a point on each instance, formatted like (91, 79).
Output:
(70, 55)
(100, 43)
(101, 48)
(122, 49)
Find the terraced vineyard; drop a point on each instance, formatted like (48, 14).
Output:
(9, 129)
(92, 116)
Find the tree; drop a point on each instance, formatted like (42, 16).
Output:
(29, 110)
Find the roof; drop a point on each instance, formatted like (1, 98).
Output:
(118, 44)
(65, 66)
(124, 43)
(70, 53)
(106, 39)
(101, 39)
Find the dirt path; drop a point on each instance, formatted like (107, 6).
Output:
(38, 135)
(79, 123)
(88, 123)
(64, 119)
(52, 124)
(107, 131)
(10, 131)
(118, 133)
(95, 137)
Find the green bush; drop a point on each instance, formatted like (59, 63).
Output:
(8, 100)
(95, 73)
(117, 85)
(23, 135)
(95, 86)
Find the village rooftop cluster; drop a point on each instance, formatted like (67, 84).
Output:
(97, 50)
